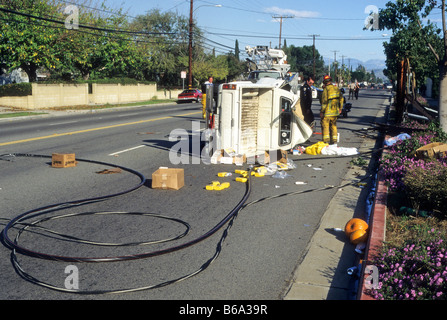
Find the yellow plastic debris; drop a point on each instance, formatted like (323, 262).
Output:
(257, 174)
(217, 186)
(316, 148)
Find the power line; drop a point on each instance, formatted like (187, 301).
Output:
(34, 23)
(280, 26)
(297, 38)
(81, 25)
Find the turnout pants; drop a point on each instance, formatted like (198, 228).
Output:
(329, 126)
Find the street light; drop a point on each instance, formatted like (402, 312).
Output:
(191, 12)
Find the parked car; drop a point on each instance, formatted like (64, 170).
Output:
(190, 95)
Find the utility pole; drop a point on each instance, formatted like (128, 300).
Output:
(343, 66)
(280, 26)
(314, 35)
(335, 65)
(190, 44)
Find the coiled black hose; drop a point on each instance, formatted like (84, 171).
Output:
(20, 219)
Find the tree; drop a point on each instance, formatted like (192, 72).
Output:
(301, 60)
(164, 44)
(236, 50)
(26, 42)
(102, 51)
(35, 36)
(415, 41)
(236, 68)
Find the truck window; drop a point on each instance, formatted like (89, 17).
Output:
(285, 122)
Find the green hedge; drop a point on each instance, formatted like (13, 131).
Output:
(16, 90)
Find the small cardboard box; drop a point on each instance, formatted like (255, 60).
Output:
(168, 178)
(277, 155)
(226, 157)
(431, 150)
(63, 160)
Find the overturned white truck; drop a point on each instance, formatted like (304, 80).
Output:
(261, 114)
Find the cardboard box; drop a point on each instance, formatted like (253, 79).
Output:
(168, 178)
(441, 151)
(63, 160)
(273, 156)
(432, 150)
(226, 157)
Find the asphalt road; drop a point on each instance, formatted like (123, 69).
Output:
(262, 248)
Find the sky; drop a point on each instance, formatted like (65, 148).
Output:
(337, 25)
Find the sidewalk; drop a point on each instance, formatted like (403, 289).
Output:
(322, 274)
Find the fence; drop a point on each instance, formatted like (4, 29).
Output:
(46, 96)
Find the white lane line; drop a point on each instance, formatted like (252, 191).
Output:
(61, 123)
(129, 114)
(130, 149)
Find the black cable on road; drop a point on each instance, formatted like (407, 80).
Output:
(20, 220)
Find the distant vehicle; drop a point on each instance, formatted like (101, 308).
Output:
(389, 86)
(190, 95)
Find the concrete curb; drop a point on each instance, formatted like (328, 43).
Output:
(377, 229)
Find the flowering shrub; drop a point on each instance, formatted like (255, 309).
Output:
(415, 268)
(415, 271)
(401, 159)
(426, 186)
(422, 101)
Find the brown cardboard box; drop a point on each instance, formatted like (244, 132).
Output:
(168, 179)
(63, 160)
(441, 151)
(225, 157)
(278, 155)
(432, 150)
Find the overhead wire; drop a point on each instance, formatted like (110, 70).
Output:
(124, 31)
(108, 36)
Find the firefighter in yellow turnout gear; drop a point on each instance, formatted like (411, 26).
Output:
(331, 106)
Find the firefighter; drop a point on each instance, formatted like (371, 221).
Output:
(331, 107)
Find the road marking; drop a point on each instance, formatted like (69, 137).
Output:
(128, 114)
(56, 135)
(61, 123)
(122, 151)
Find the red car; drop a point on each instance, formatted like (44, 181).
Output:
(190, 95)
